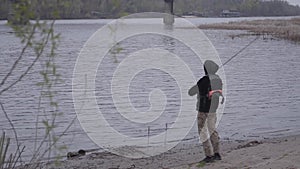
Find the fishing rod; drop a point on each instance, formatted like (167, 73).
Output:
(240, 51)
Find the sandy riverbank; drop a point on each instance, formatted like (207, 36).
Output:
(282, 28)
(281, 153)
(269, 153)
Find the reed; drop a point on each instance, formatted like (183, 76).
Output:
(281, 28)
(8, 161)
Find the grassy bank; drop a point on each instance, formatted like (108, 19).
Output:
(281, 28)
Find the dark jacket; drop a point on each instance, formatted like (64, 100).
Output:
(210, 81)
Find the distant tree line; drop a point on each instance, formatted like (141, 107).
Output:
(71, 9)
(250, 7)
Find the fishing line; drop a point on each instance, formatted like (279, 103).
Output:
(240, 51)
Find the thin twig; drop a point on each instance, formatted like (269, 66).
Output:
(54, 142)
(19, 156)
(61, 135)
(29, 68)
(19, 58)
(49, 133)
(37, 119)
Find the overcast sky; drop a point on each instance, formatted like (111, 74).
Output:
(294, 2)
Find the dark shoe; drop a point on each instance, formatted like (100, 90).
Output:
(217, 156)
(207, 159)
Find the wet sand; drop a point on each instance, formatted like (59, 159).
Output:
(268, 153)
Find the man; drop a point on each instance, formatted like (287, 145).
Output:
(208, 90)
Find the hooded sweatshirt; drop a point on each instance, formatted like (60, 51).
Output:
(210, 81)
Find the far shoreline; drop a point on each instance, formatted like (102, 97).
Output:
(288, 29)
(220, 19)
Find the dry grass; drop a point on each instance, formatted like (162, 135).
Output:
(286, 29)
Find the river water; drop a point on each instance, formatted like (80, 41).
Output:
(263, 85)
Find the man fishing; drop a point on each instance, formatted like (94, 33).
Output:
(208, 90)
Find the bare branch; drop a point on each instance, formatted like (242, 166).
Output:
(31, 65)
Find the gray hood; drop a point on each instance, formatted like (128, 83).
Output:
(210, 67)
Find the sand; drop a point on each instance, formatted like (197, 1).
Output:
(272, 154)
(276, 153)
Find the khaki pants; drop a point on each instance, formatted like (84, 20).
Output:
(208, 134)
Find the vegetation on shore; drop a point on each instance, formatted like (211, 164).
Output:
(282, 28)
